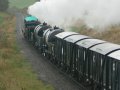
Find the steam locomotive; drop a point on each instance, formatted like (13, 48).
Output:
(92, 62)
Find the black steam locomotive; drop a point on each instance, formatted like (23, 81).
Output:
(92, 62)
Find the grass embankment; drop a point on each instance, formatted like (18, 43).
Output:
(15, 71)
(20, 4)
(110, 34)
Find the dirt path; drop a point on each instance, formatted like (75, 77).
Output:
(46, 71)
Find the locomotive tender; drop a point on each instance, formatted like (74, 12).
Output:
(92, 62)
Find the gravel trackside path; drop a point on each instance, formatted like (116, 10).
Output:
(46, 71)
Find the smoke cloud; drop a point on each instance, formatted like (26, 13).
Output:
(94, 13)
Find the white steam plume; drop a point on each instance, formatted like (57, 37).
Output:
(94, 13)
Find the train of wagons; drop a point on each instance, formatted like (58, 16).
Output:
(92, 62)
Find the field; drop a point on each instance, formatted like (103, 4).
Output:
(15, 72)
(20, 4)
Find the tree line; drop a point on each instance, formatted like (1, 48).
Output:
(4, 4)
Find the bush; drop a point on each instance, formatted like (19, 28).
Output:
(4, 4)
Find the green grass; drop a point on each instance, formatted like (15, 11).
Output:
(20, 4)
(2, 16)
(15, 72)
(1, 19)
